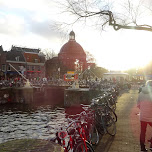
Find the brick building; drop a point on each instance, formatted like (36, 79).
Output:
(2, 62)
(16, 59)
(70, 58)
(25, 60)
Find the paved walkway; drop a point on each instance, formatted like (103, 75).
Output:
(30, 145)
(128, 127)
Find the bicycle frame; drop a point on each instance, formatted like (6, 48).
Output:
(83, 137)
(73, 139)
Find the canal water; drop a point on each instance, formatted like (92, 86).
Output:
(18, 121)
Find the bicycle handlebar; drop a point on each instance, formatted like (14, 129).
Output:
(76, 120)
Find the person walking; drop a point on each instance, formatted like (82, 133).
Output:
(144, 103)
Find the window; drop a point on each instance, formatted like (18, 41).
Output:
(36, 60)
(3, 67)
(28, 67)
(8, 68)
(17, 58)
(33, 68)
(38, 68)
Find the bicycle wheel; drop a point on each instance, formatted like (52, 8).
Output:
(110, 125)
(113, 115)
(94, 135)
(99, 123)
(80, 147)
(112, 104)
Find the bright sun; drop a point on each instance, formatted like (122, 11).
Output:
(121, 50)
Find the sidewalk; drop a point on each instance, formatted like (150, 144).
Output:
(30, 145)
(128, 127)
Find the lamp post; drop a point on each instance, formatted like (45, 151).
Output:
(59, 72)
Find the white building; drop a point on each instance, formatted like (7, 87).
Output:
(119, 76)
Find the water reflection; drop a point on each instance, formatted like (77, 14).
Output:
(21, 121)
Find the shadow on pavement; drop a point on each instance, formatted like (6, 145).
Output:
(105, 143)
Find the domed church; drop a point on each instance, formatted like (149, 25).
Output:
(72, 56)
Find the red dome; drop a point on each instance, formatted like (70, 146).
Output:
(71, 52)
(72, 47)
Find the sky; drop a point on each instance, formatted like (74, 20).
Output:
(31, 23)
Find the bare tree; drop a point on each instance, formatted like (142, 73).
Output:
(90, 58)
(49, 54)
(124, 16)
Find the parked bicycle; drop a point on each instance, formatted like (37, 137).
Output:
(84, 129)
(104, 102)
(102, 121)
(74, 137)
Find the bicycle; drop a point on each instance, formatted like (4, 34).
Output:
(91, 130)
(77, 140)
(102, 101)
(110, 99)
(108, 109)
(104, 121)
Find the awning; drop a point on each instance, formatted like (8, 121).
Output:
(11, 72)
(33, 71)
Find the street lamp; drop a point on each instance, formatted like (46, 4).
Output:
(59, 72)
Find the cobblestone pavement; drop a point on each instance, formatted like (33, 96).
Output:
(128, 127)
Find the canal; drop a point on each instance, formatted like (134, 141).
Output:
(18, 121)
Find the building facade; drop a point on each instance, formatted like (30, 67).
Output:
(2, 63)
(26, 61)
(14, 61)
(70, 58)
(52, 66)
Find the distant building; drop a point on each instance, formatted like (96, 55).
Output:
(70, 58)
(2, 63)
(35, 63)
(52, 68)
(25, 60)
(119, 76)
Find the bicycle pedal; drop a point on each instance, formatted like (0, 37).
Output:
(93, 143)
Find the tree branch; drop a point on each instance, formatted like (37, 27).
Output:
(81, 10)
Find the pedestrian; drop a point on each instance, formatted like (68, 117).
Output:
(144, 103)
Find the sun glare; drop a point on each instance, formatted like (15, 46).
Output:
(120, 50)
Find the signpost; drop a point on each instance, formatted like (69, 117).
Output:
(70, 76)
